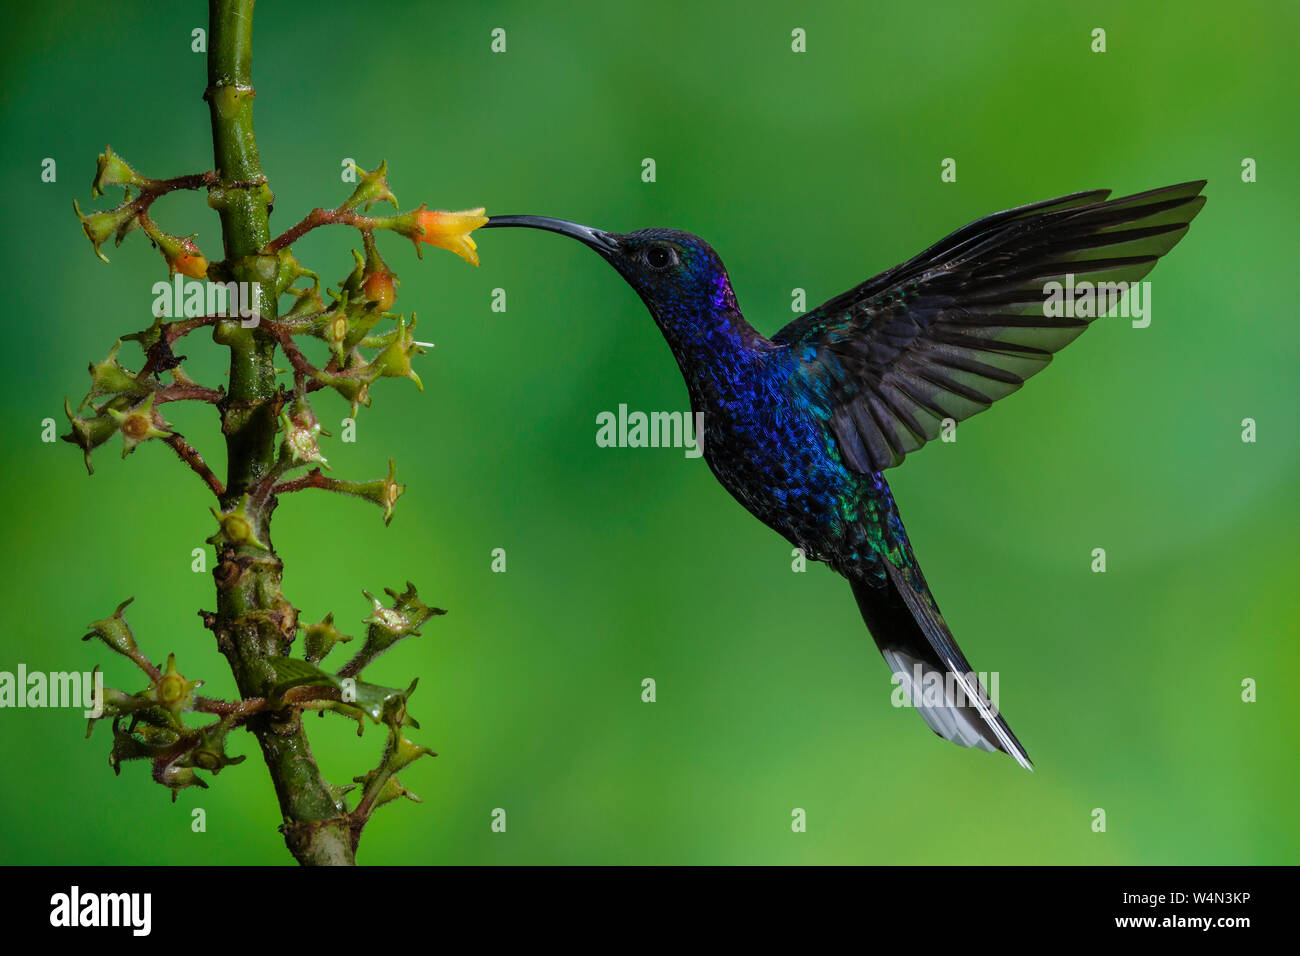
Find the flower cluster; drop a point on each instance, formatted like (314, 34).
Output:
(363, 341)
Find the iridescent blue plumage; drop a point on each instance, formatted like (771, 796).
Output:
(799, 427)
(767, 433)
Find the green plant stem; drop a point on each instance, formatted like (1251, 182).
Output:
(253, 621)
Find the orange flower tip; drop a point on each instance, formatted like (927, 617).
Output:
(194, 266)
(450, 231)
(378, 288)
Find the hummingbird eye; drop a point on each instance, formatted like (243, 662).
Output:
(660, 257)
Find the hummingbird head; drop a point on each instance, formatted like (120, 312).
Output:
(676, 274)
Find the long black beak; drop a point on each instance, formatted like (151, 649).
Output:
(602, 242)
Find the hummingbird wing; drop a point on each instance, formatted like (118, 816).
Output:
(947, 333)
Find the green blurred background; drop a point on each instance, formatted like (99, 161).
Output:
(809, 170)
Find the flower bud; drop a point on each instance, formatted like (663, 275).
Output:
(127, 747)
(309, 303)
(117, 703)
(88, 433)
(403, 753)
(372, 187)
(210, 752)
(382, 491)
(388, 625)
(177, 778)
(180, 253)
(110, 378)
(319, 639)
(352, 387)
(378, 282)
(338, 793)
(395, 360)
(393, 790)
(113, 170)
(99, 227)
(380, 288)
(289, 270)
(115, 632)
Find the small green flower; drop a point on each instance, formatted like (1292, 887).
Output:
(117, 703)
(172, 691)
(139, 424)
(407, 615)
(113, 170)
(110, 378)
(393, 790)
(210, 753)
(301, 433)
(308, 304)
(127, 746)
(177, 778)
(88, 433)
(289, 270)
(99, 227)
(404, 752)
(353, 388)
(395, 360)
(238, 528)
(319, 639)
(388, 625)
(372, 187)
(115, 632)
(338, 794)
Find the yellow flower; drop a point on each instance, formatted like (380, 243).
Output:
(450, 231)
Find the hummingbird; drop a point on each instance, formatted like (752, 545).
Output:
(801, 427)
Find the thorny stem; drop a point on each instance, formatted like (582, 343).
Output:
(304, 373)
(253, 621)
(313, 479)
(162, 187)
(326, 217)
(237, 711)
(301, 367)
(186, 393)
(191, 457)
(146, 665)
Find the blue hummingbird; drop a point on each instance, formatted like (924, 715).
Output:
(801, 427)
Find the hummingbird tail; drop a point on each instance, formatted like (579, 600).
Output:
(926, 661)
